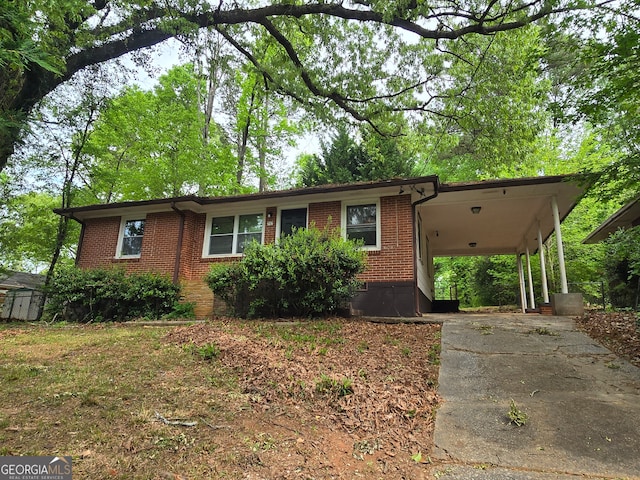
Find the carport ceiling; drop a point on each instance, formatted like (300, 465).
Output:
(508, 219)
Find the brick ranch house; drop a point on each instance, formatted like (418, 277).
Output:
(405, 223)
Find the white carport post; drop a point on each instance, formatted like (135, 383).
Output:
(543, 268)
(532, 300)
(564, 288)
(523, 293)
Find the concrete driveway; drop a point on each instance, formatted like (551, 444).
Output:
(582, 402)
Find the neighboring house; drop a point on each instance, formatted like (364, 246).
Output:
(404, 223)
(21, 296)
(626, 217)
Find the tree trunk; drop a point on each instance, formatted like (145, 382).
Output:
(243, 139)
(61, 236)
(262, 143)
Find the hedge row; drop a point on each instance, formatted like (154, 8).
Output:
(78, 295)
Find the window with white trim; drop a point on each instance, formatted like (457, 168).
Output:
(130, 239)
(362, 222)
(229, 235)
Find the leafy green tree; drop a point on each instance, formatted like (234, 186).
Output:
(606, 97)
(353, 43)
(611, 100)
(149, 144)
(492, 113)
(496, 281)
(28, 229)
(387, 156)
(595, 81)
(53, 165)
(454, 279)
(258, 123)
(622, 266)
(341, 161)
(480, 281)
(344, 160)
(21, 51)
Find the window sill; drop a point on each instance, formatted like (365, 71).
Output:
(125, 259)
(229, 256)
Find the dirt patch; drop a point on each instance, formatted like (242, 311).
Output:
(618, 331)
(356, 398)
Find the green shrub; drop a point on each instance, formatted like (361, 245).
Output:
(330, 386)
(181, 310)
(309, 273)
(109, 294)
(208, 351)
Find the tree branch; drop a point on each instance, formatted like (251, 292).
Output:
(334, 96)
(258, 65)
(139, 38)
(144, 28)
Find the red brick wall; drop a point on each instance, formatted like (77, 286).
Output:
(158, 244)
(99, 243)
(394, 261)
(270, 225)
(321, 214)
(188, 244)
(200, 266)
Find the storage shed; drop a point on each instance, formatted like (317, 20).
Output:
(21, 295)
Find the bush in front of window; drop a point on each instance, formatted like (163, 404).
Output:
(77, 295)
(310, 273)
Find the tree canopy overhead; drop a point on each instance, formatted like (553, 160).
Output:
(362, 57)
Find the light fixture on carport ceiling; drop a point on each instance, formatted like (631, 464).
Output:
(476, 210)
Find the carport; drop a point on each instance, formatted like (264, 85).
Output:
(505, 217)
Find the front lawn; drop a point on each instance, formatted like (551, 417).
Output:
(317, 399)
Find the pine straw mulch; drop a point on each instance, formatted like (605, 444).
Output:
(618, 331)
(388, 372)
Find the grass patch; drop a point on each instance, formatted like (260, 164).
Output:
(484, 329)
(90, 392)
(433, 354)
(208, 351)
(543, 331)
(330, 386)
(308, 336)
(517, 416)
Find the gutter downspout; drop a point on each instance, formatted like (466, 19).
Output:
(416, 290)
(176, 266)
